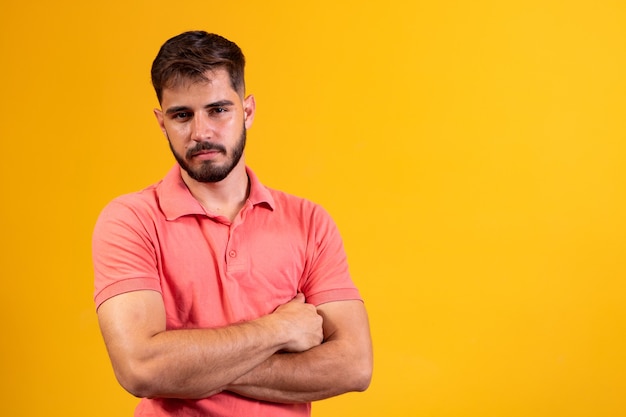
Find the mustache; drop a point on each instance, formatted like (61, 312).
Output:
(205, 146)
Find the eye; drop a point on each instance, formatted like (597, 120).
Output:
(218, 110)
(183, 115)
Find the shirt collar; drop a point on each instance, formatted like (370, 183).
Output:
(175, 199)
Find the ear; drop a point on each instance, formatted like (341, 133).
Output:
(159, 116)
(249, 109)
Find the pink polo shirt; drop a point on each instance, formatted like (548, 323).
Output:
(211, 272)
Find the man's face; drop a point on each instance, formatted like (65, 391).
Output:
(205, 123)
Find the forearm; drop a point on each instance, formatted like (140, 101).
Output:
(342, 363)
(301, 377)
(150, 361)
(197, 363)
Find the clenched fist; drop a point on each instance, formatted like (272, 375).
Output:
(301, 324)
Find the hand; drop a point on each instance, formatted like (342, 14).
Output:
(301, 323)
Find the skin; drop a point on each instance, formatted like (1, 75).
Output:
(298, 353)
(209, 112)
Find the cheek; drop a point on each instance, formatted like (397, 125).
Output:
(177, 133)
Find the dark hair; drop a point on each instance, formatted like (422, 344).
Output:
(191, 54)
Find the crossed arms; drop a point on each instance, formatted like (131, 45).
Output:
(298, 353)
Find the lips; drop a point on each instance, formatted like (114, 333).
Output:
(206, 152)
(205, 149)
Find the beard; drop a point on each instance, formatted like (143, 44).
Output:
(209, 171)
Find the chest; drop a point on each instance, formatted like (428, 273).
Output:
(214, 274)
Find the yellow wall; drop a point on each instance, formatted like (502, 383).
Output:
(472, 153)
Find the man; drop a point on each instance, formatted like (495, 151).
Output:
(217, 296)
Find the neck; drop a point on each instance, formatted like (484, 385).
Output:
(223, 198)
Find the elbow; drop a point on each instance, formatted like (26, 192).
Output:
(365, 370)
(137, 388)
(362, 379)
(137, 380)
(358, 369)
(361, 376)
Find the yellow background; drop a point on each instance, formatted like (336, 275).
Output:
(472, 153)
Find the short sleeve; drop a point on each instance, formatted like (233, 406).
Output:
(123, 251)
(327, 277)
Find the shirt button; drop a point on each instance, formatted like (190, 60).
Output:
(232, 254)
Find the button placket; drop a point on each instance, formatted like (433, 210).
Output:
(234, 258)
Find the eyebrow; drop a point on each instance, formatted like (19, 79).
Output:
(221, 103)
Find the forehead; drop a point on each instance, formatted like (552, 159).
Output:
(214, 83)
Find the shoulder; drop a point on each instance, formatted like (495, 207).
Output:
(299, 212)
(135, 201)
(279, 201)
(132, 208)
(292, 203)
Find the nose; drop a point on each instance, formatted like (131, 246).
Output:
(201, 129)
